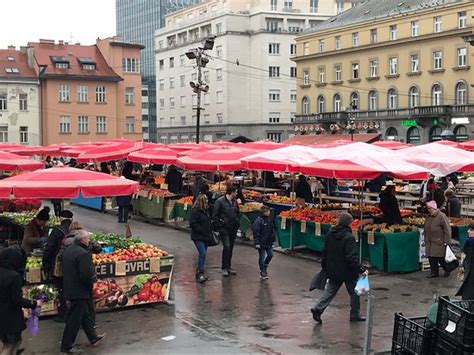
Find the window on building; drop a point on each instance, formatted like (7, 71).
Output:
(183, 101)
(413, 135)
(305, 106)
(321, 45)
(393, 65)
(373, 35)
(339, 6)
(275, 137)
(288, 4)
(23, 135)
(219, 51)
(82, 93)
(373, 100)
(3, 133)
(161, 64)
(218, 28)
(462, 19)
(207, 120)
(274, 72)
(220, 118)
(274, 117)
(206, 76)
(130, 124)
(437, 24)
(322, 75)
(274, 95)
(23, 102)
(305, 48)
(392, 99)
(337, 73)
(172, 62)
(218, 74)
(193, 76)
(3, 101)
(100, 94)
(462, 57)
(182, 60)
(129, 96)
(337, 42)
(414, 97)
(171, 80)
(162, 104)
(313, 6)
(305, 77)
(61, 65)
(83, 124)
(219, 97)
(354, 101)
(274, 48)
(293, 95)
(393, 32)
(293, 72)
(374, 68)
(194, 99)
(182, 81)
(437, 60)
(355, 70)
(337, 101)
(355, 39)
(64, 93)
(131, 65)
(171, 102)
(436, 95)
(101, 124)
(321, 104)
(64, 124)
(183, 120)
(273, 4)
(161, 84)
(461, 93)
(414, 63)
(415, 28)
(292, 49)
(206, 98)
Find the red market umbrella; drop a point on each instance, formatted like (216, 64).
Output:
(392, 145)
(27, 150)
(338, 143)
(76, 151)
(154, 156)
(263, 145)
(221, 159)
(12, 162)
(448, 143)
(6, 147)
(65, 183)
(185, 146)
(107, 153)
(469, 145)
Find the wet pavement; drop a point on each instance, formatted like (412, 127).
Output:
(243, 314)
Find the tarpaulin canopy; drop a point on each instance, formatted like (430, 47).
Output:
(338, 143)
(65, 183)
(262, 145)
(439, 159)
(10, 161)
(222, 159)
(108, 152)
(76, 151)
(154, 156)
(392, 145)
(469, 145)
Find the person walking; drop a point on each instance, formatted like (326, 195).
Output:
(12, 321)
(453, 204)
(466, 291)
(437, 237)
(389, 206)
(264, 237)
(78, 273)
(200, 223)
(342, 265)
(303, 190)
(123, 203)
(226, 218)
(35, 231)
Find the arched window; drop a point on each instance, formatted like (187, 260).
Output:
(414, 97)
(461, 133)
(305, 105)
(461, 93)
(373, 104)
(435, 133)
(391, 133)
(354, 101)
(392, 99)
(413, 135)
(337, 103)
(436, 95)
(321, 104)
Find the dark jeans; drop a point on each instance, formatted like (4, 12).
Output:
(57, 205)
(202, 249)
(123, 214)
(62, 305)
(228, 241)
(77, 317)
(434, 264)
(330, 292)
(91, 307)
(265, 255)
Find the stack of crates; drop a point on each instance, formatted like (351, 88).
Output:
(411, 335)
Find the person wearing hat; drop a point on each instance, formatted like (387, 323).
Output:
(342, 265)
(437, 237)
(453, 204)
(467, 269)
(35, 230)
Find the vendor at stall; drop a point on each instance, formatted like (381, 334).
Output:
(303, 190)
(389, 206)
(35, 231)
(268, 179)
(434, 193)
(174, 179)
(453, 204)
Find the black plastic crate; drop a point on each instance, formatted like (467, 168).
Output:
(411, 335)
(442, 345)
(460, 316)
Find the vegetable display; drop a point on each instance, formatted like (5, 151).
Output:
(43, 293)
(133, 252)
(114, 240)
(24, 218)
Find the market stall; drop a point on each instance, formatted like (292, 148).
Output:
(153, 203)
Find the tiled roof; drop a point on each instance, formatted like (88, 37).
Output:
(9, 67)
(328, 138)
(45, 52)
(375, 9)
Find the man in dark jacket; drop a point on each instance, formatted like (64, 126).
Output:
(226, 219)
(453, 205)
(174, 179)
(342, 265)
(78, 273)
(303, 190)
(389, 206)
(53, 245)
(264, 237)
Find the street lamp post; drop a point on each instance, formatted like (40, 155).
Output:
(351, 126)
(199, 86)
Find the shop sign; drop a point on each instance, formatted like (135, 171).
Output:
(130, 268)
(409, 123)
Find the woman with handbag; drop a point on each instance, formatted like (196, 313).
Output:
(466, 272)
(200, 223)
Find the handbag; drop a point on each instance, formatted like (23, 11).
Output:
(319, 280)
(214, 239)
(451, 261)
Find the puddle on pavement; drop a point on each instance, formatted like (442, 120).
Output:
(380, 289)
(314, 346)
(406, 294)
(277, 336)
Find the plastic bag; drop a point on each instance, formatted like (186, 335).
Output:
(362, 286)
(449, 256)
(33, 322)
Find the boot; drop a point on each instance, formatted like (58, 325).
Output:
(201, 278)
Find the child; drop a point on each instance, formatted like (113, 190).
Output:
(264, 236)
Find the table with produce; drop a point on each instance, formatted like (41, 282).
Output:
(129, 271)
(153, 203)
(12, 224)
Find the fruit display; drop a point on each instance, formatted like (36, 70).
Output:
(33, 262)
(384, 228)
(282, 199)
(218, 187)
(460, 221)
(311, 213)
(251, 207)
(19, 205)
(330, 206)
(133, 252)
(157, 192)
(415, 221)
(252, 195)
(187, 200)
(405, 212)
(371, 209)
(24, 218)
(114, 240)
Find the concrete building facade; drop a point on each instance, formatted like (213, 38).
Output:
(398, 68)
(19, 99)
(251, 78)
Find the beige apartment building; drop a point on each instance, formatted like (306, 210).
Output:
(401, 68)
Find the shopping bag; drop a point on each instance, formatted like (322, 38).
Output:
(33, 321)
(319, 281)
(215, 239)
(449, 255)
(451, 266)
(362, 286)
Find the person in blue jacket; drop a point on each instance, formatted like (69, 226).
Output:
(264, 237)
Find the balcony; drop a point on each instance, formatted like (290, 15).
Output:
(430, 111)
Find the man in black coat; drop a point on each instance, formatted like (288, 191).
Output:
(453, 204)
(78, 273)
(389, 206)
(342, 265)
(174, 179)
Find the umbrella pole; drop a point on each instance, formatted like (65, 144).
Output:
(361, 194)
(292, 207)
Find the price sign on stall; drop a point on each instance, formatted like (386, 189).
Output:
(317, 229)
(355, 233)
(371, 237)
(185, 206)
(303, 226)
(283, 223)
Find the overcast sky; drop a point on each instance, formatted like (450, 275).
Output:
(24, 21)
